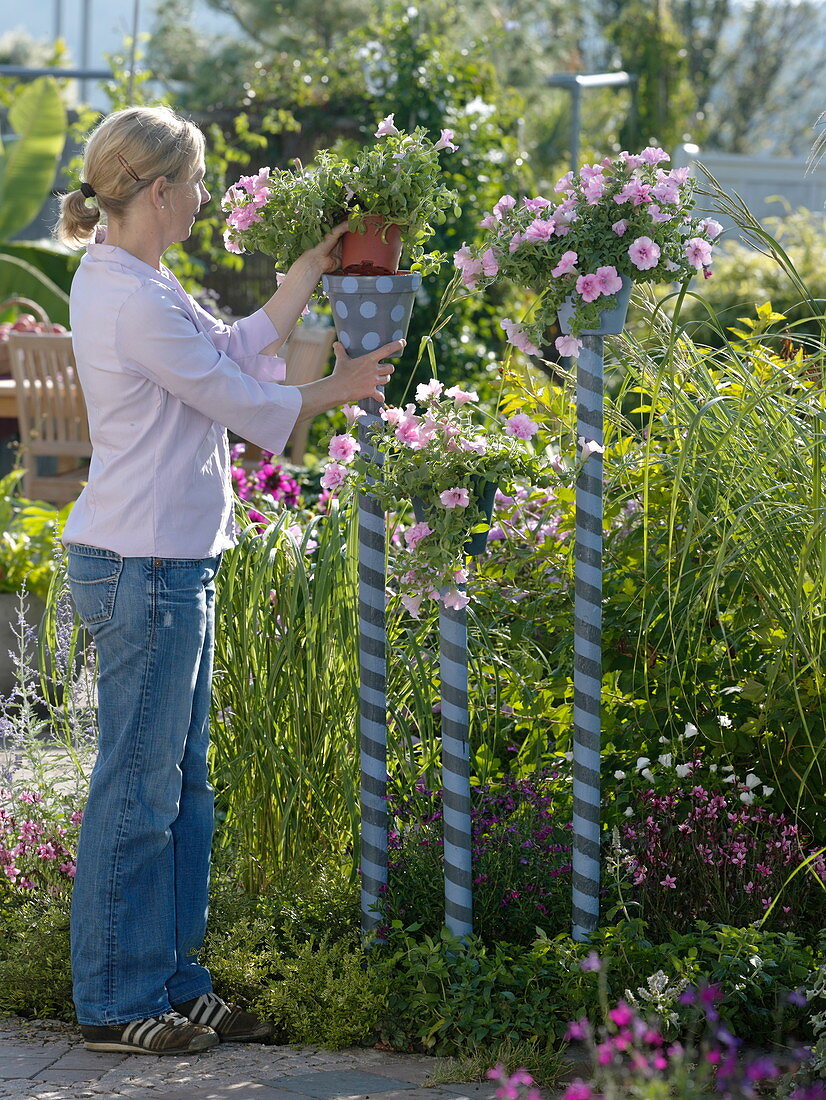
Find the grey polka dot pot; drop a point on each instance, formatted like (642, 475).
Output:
(371, 310)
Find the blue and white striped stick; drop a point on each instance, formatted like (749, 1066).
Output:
(456, 770)
(373, 686)
(588, 644)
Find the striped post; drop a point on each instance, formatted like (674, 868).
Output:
(456, 770)
(588, 644)
(373, 684)
(368, 312)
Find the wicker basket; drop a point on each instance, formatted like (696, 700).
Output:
(25, 305)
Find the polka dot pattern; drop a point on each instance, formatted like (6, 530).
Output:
(370, 341)
(370, 311)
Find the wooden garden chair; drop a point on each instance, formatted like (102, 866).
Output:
(51, 414)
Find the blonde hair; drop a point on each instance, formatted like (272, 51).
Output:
(126, 152)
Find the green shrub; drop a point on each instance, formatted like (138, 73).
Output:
(35, 972)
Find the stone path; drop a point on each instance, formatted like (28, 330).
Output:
(46, 1060)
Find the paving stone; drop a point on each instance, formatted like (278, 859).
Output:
(349, 1082)
(414, 1072)
(80, 1058)
(245, 1090)
(65, 1076)
(478, 1090)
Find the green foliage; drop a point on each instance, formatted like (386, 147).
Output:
(29, 160)
(652, 48)
(745, 277)
(35, 973)
(29, 533)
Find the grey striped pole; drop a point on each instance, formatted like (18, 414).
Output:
(370, 311)
(372, 693)
(456, 770)
(588, 644)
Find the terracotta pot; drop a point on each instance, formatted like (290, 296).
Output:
(376, 251)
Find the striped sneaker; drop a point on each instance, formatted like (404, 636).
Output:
(232, 1023)
(169, 1033)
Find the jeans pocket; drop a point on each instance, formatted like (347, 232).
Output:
(93, 581)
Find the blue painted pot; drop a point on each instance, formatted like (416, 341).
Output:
(371, 310)
(611, 321)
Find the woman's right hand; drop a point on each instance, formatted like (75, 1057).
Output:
(361, 377)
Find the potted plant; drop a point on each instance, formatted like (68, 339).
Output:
(392, 190)
(624, 220)
(449, 458)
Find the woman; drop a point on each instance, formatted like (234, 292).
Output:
(163, 381)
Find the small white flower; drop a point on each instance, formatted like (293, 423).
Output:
(646, 773)
(664, 740)
(712, 767)
(728, 767)
(629, 812)
(690, 730)
(642, 762)
(752, 781)
(568, 756)
(767, 791)
(729, 778)
(665, 759)
(747, 797)
(619, 775)
(724, 721)
(682, 770)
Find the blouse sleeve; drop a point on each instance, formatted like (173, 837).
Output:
(243, 340)
(157, 338)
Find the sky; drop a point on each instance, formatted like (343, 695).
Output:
(109, 22)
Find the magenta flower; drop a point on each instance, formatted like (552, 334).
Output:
(521, 426)
(455, 498)
(622, 1015)
(566, 264)
(644, 253)
(588, 287)
(343, 448)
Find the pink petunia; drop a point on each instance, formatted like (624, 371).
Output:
(666, 190)
(343, 448)
(455, 599)
(429, 391)
(652, 154)
(490, 264)
(334, 476)
(593, 190)
(536, 204)
(620, 227)
(698, 252)
(387, 127)
(488, 222)
(469, 266)
(609, 281)
(446, 141)
(243, 217)
(567, 264)
(455, 498)
(230, 244)
(352, 412)
(460, 396)
(409, 432)
(587, 286)
(521, 426)
(392, 415)
(710, 227)
(506, 203)
(540, 230)
(412, 604)
(516, 240)
(515, 335)
(414, 535)
(588, 447)
(568, 345)
(644, 253)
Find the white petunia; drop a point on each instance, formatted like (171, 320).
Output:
(619, 775)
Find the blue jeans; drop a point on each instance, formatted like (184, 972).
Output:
(140, 896)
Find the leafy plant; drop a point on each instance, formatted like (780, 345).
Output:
(283, 212)
(30, 531)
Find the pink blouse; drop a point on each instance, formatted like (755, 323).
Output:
(163, 380)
